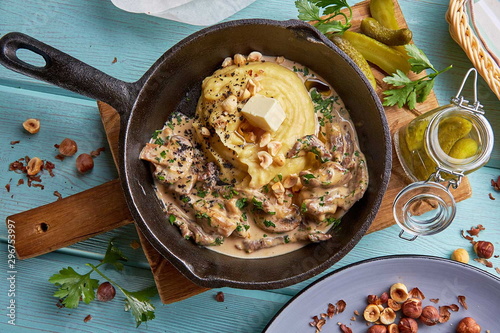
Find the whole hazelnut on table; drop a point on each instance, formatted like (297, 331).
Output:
(32, 125)
(408, 325)
(68, 147)
(412, 308)
(484, 249)
(468, 325)
(429, 316)
(106, 292)
(460, 255)
(84, 163)
(377, 329)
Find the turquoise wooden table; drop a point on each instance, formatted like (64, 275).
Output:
(125, 45)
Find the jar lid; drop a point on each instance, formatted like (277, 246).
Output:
(424, 208)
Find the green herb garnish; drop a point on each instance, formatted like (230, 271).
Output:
(310, 10)
(411, 92)
(74, 287)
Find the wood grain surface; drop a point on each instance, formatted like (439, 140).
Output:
(103, 208)
(125, 45)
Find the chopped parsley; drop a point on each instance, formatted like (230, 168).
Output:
(241, 203)
(268, 224)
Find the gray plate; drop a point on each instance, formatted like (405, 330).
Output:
(435, 277)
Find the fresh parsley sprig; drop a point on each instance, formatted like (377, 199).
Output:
(74, 287)
(411, 92)
(310, 10)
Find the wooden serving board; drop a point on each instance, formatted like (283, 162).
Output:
(48, 228)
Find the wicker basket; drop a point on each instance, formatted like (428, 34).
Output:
(464, 35)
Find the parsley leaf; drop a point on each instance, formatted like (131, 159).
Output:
(73, 286)
(138, 303)
(310, 10)
(411, 92)
(114, 256)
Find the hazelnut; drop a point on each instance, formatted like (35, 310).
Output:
(264, 139)
(387, 316)
(230, 104)
(273, 147)
(460, 255)
(280, 160)
(372, 299)
(377, 329)
(399, 292)
(484, 249)
(412, 308)
(254, 56)
(219, 297)
(106, 292)
(68, 147)
(393, 328)
(84, 163)
(371, 313)
(384, 298)
(468, 325)
(34, 166)
(239, 59)
(429, 316)
(32, 125)
(265, 160)
(228, 61)
(408, 325)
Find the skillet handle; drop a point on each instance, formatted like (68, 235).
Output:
(67, 72)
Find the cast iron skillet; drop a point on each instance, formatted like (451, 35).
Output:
(173, 82)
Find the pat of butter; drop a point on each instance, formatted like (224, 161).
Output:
(264, 112)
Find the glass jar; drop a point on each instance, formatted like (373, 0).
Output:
(440, 145)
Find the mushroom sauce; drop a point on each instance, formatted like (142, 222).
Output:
(212, 193)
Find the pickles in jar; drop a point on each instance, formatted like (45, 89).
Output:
(454, 137)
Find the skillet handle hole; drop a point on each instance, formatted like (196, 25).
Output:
(31, 58)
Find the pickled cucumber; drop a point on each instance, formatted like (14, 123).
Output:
(414, 134)
(356, 56)
(464, 148)
(385, 57)
(371, 27)
(383, 11)
(452, 129)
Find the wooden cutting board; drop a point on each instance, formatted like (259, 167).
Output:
(103, 208)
